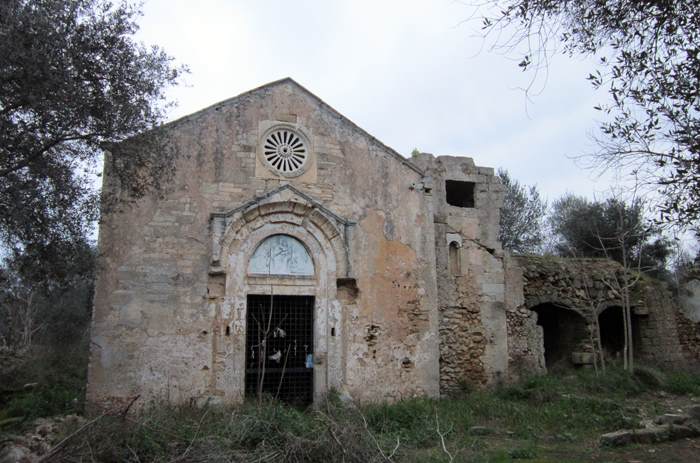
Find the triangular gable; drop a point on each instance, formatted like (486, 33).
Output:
(319, 101)
(277, 195)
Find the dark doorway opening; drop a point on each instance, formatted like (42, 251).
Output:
(279, 348)
(612, 332)
(564, 331)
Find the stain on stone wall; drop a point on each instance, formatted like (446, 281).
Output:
(391, 307)
(169, 316)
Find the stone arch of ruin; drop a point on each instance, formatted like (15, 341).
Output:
(609, 304)
(611, 329)
(564, 332)
(554, 301)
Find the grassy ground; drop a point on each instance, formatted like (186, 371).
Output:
(544, 419)
(56, 378)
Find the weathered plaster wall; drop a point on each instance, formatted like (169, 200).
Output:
(471, 293)
(162, 307)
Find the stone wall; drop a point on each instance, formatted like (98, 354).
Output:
(689, 337)
(169, 318)
(471, 291)
(584, 287)
(412, 292)
(688, 317)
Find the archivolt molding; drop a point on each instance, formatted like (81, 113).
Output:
(229, 231)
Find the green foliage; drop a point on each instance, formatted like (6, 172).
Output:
(683, 383)
(45, 310)
(56, 399)
(59, 376)
(523, 453)
(522, 216)
(46, 297)
(527, 420)
(72, 79)
(269, 432)
(648, 54)
(411, 420)
(610, 228)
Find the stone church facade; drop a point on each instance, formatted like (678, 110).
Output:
(293, 253)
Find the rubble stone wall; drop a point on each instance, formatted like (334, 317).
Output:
(688, 317)
(471, 292)
(585, 286)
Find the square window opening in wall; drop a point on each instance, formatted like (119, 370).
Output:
(460, 194)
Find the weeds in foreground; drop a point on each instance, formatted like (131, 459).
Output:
(45, 383)
(523, 421)
(252, 432)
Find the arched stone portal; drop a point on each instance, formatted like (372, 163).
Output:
(279, 328)
(564, 333)
(294, 227)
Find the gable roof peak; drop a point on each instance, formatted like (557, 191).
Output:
(288, 80)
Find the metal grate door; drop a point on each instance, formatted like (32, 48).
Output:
(279, 347)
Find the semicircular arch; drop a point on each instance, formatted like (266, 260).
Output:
(553, 301)
(282, 255)
(287, 216)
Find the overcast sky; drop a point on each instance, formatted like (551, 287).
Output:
(412, 73)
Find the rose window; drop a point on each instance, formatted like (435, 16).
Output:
(285, 151)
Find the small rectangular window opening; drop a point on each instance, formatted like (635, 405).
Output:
(460, 194)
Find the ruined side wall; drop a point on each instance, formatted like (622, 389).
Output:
(659, 339)
(688, 317)
(689, 337)
(525, 337)
(158, 317)
(582, 285)
(471, 299)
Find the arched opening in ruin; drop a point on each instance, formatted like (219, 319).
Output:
(564, 335)
(612, 332)
(611, 323)
(292, 263)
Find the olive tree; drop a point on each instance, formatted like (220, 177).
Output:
(648, 55)
(72, 79)
(522, 216)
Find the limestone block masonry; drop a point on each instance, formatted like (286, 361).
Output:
(171, 302)
(292, 253)
(470, 272)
